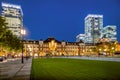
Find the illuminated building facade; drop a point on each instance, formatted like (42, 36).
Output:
(14, 17)
(93, 28)
(53, 47)
(106, 47)
(80, 37)
(110, 32)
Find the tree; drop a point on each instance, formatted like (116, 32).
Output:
(3, 25)
(2, 32)
(111, 48)
(8, 42)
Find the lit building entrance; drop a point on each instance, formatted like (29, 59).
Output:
(52, 47)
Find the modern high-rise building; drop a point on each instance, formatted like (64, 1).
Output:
(80, 37)
(93, 28)
(110, 31)
(14, 17)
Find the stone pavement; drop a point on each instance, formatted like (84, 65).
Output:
(15, 70)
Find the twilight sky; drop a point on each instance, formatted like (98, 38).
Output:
(64, 19)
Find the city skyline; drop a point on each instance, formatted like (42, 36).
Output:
(64, 20)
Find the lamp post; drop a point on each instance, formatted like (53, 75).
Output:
(23, 32)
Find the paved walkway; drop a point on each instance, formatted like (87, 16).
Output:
(97, 58)
(15, 70)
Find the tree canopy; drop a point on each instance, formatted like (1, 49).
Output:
(8, 41)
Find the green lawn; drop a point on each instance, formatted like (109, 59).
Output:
(74, 69)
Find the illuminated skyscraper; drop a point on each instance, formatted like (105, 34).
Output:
(110, 32)
(14, 17)
(93, 28)
(80, 37)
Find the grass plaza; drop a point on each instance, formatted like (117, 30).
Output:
(74, 69)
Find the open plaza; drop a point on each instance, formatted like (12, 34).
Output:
(94, 55)
(61, 68)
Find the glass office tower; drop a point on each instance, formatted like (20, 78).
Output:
(14, 17)
(80, 37)
(93, 28)
(110, 31)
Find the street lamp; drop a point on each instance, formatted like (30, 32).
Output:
(23, 32)
(112, 48)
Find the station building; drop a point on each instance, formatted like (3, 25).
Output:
(53, 47)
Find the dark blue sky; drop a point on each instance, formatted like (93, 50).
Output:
(64, 19)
